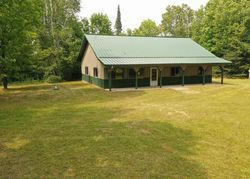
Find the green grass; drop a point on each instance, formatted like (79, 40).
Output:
(82, 131)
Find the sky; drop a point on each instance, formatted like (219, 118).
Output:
(133, 12)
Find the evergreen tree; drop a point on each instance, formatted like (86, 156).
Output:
(118, 23)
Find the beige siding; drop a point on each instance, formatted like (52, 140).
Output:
(90, 60)
(189, 71)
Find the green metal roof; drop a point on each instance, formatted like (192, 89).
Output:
(161, 61)
(131, 50)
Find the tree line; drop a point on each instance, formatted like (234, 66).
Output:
(40, 39)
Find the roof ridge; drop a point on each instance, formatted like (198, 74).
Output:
(139, 36)
(167, 57)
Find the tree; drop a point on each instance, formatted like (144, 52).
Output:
(100, 24)
(39, 38)
(86, 25)
(224, 31)
(198, 23)
(19, 21)
(59, 37)
(118, 23)
(177, 20)
(129, 32)
(147, 28)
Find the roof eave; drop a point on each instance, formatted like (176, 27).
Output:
(171, 64)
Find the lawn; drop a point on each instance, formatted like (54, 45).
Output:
(83, 131)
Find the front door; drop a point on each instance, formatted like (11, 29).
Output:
(153, 76)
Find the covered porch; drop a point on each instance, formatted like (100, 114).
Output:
(157, 76)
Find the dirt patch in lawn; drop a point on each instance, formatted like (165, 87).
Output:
(3, 155)
(186, 90)
(16, 143)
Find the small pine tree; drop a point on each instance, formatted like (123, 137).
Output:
(118, 23)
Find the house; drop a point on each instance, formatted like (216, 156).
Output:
(129, 61)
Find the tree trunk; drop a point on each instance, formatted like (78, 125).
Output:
(3, 52)
(46, 15)
(51, 21)
(5, 82)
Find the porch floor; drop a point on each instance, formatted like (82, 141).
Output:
(174, 87)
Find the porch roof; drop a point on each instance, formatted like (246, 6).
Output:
(131, 50)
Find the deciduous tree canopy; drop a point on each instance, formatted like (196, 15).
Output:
(177, 21)
(224, 29)
(147, 28)
(100, 24)
(40, 39)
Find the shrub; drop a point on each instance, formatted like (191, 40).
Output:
(54, 79)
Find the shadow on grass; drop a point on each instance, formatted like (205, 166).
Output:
(29, 87)
(75, 93)
(218, 82)
(225, 83)
(147, 149)
(42, 86)
(83, 142)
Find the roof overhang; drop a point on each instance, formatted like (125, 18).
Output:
(163, 61)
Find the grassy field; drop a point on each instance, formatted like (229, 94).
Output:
(82, 131)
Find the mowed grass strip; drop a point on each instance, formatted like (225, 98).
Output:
(83, 131)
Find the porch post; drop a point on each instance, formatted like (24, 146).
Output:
(136, 77)
(183, 68)
(204, 75)
(183, 78)
(222, 75)
(160, 68)
(160, 78)
(110, 78)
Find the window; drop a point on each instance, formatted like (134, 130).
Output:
(141, 72)
(131, 73)
(200, 71)
(95, 72)
(113, 74)
(119, 73)
(175, 71)
(86, 70)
